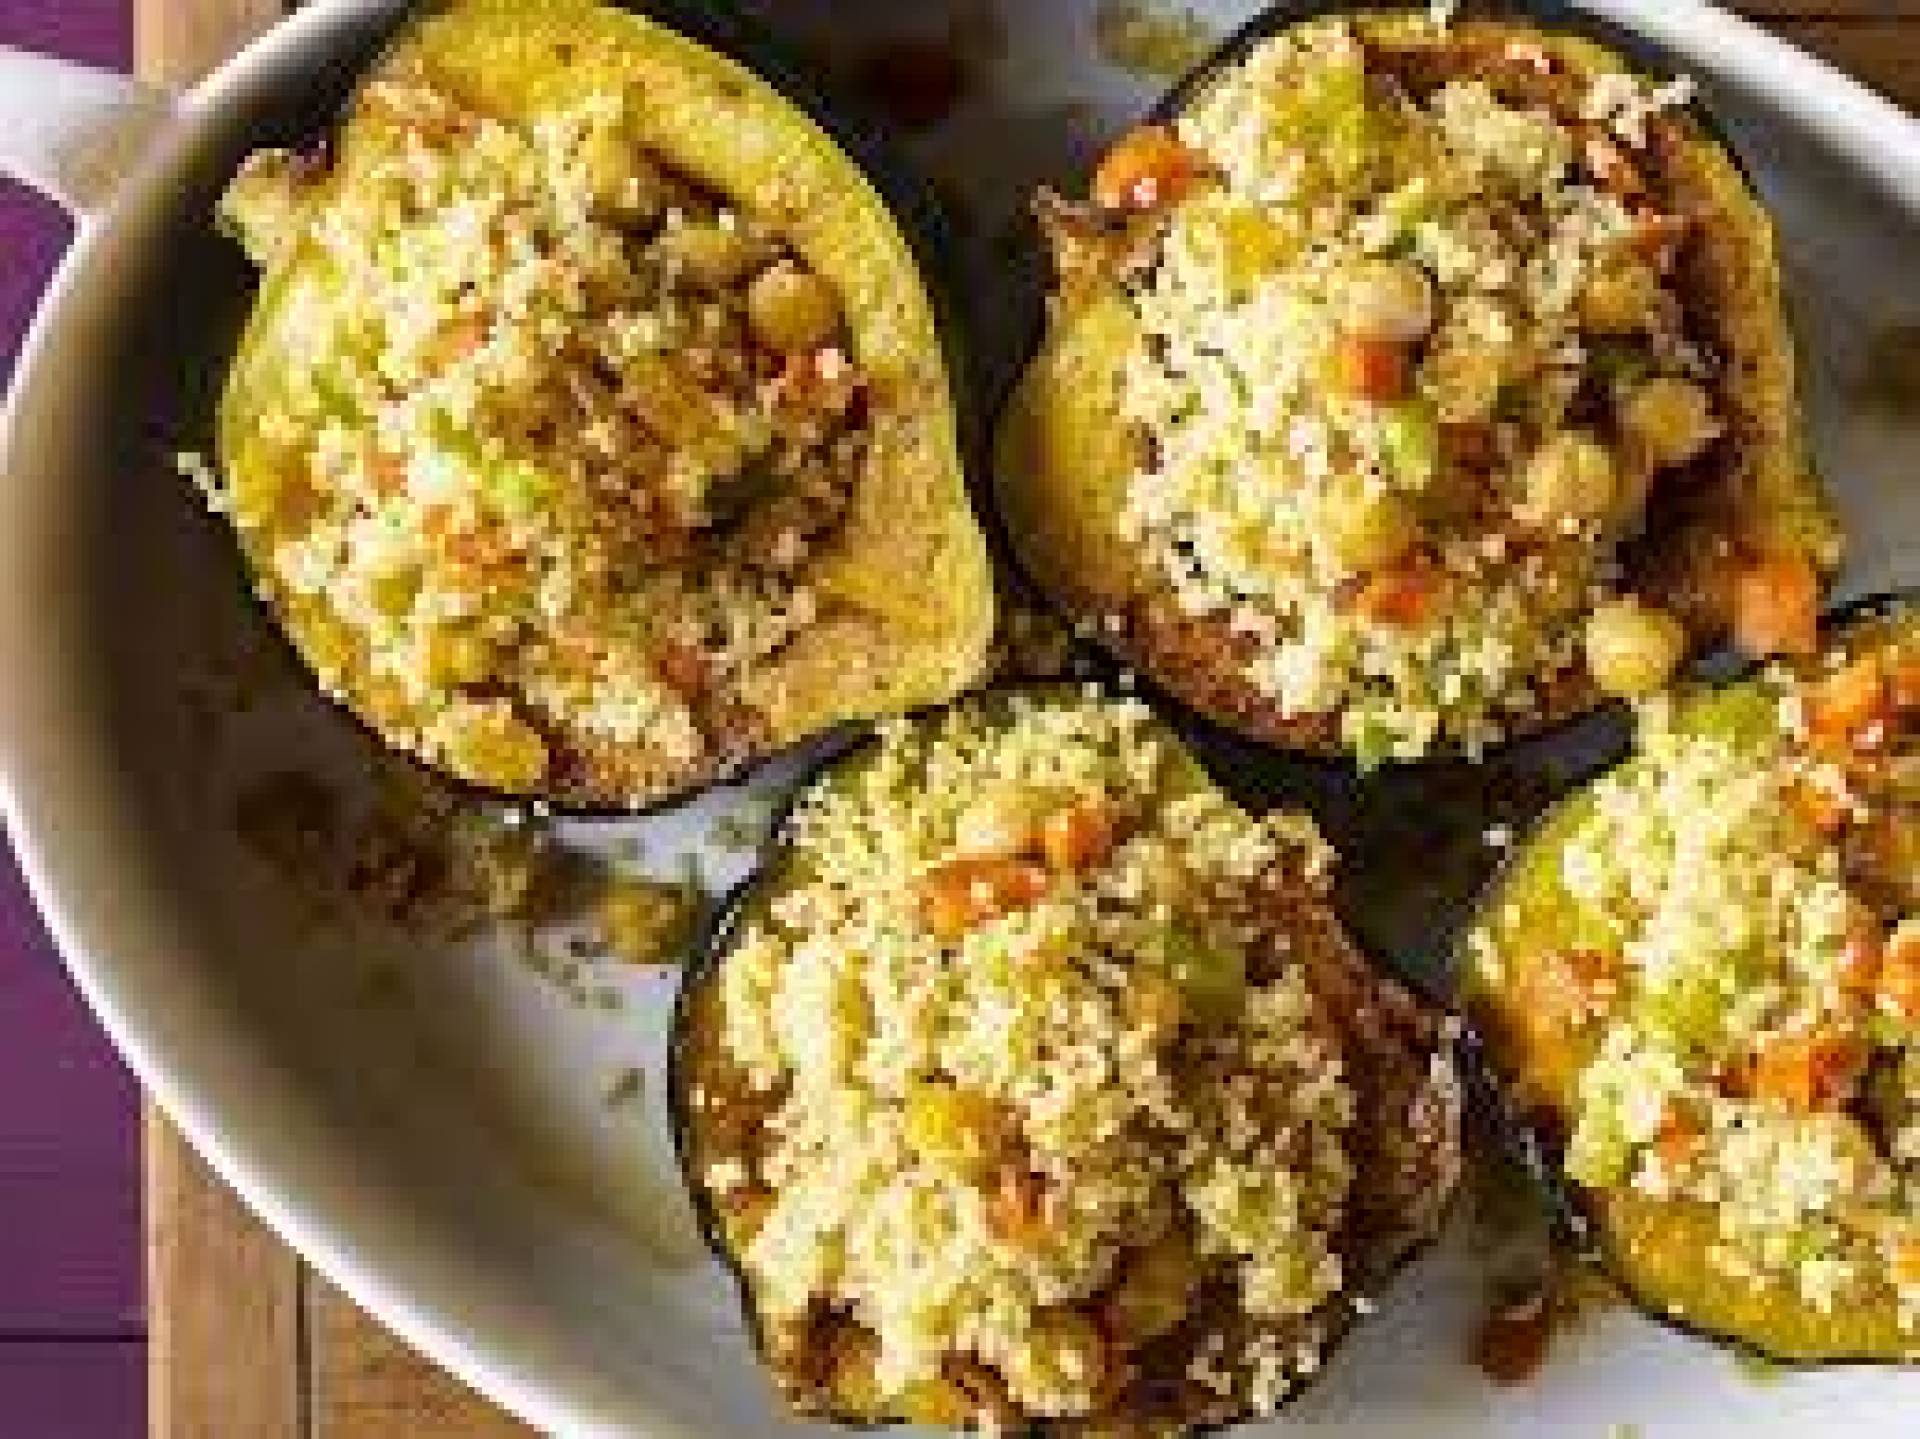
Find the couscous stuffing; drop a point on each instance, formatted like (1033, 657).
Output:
(1419, 354)
(561, 436)
(1733, 1010)
(1045, 1087)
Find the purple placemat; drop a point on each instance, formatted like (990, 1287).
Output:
(71, 1328)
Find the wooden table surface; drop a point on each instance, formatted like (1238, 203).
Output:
(246, 1342)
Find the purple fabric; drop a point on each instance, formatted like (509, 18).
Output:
(71, 1327)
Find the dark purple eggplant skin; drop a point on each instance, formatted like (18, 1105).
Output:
(721, 26)
(1528, 1139)
(723, 928)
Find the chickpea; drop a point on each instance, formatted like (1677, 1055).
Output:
(1571, 481)
(1668, 421)
(394, 592)
(1633, 649)
(1622, 299)
(1388, 300)
(488, 743)
(455, 657)
(1064, 1359)
(1365, 527)
(1152, 1293)
(707, 253)
(1153, 1004)
(955, 1129)
(792, 310)
(1212, 977)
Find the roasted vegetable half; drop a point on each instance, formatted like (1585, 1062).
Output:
(1360, 377)
(593, 433)
(1033, 1084)
(1698, 987)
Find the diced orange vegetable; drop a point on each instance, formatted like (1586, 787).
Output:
(683, 669)
(1821, 808)
(388, 471)
(1808, 1072)
(457, 341)
(1607, 161)
(1017, 1207)
(1776, 607)
(1370, 369)
(1406, 596)
(1863, 956)
(1658, 236)
(1903, 682)
(1850, 707)
(1146, 169)
(1900, 974)
(965, 893)
(1078, 836)
(1904, 1262)
(822, 382)
(1679, 1136)
(1583, 982)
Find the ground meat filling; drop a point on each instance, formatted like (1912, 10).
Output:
(1036, 1094)
(570, 429)
(1746, 989)
(1422, 358)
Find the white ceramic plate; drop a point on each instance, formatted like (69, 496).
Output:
(445, 1150)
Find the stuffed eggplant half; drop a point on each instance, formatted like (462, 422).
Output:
(592, 433)
(1034, 1086)
(1700, 983)
(1412, 387)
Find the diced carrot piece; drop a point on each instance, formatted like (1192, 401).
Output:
(388, 472)
(457, 341)
(1079, 836)
(1017, 1207)
(1847, 708)
(682, 668)
(1823, 810)
(1583, 982)
(1863, 956)
(965, 893)
(1808, 1072)
(1658, 237)
(1607, 161)
(1903, 682)
(1371, 369)
(1776, 607)
(1146, 169)
(1900, 973)
(1904, 1262)
(1679, 1136)
(1405, 596)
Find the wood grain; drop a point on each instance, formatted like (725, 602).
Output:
(1828, 9)
(177, 41)
(1884, 53)
(369, 1385)
(224, 1328)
